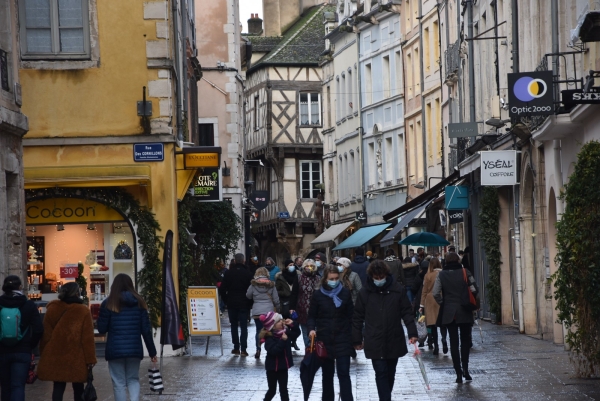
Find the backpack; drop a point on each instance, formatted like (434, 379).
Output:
(10, 326)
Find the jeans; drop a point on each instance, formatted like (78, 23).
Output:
(259, 326)
(460, 359)
(125, 375)
(274, 377)
(410, 294)
(13, 373)
(239, 317)
(59, 390)
(305, 337)
(385, 373)
(343, 373)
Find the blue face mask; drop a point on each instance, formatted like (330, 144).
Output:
(340, 269)
(333, 283)
(379, 283)
(292, 269)
(318, 263)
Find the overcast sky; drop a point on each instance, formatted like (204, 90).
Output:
(248, 7)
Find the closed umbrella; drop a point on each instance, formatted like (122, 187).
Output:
(424, 239)
(417, 356)
(308, 368)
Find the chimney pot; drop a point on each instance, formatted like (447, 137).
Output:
(255, 25)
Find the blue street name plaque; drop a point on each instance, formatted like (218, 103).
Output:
(148, 152)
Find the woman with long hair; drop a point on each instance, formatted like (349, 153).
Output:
(431, 308)
(124, 317)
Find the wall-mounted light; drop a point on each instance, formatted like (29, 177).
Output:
(260, 163)
(60, 227)
(420, 185)
(91, 226)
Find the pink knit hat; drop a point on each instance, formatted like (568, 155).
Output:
(270, 319)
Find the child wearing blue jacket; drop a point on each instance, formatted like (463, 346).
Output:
(277, 335)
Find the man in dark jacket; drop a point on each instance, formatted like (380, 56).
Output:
(395, 266)
(233, 289)
(360, 264)
(15, 359)
(378, 306)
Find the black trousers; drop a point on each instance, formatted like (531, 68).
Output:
(59, 390)
(274, 377)
(460, 359)
(433, 336)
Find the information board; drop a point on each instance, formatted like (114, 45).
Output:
(203, 311)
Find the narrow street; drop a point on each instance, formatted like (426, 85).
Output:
(506, 366)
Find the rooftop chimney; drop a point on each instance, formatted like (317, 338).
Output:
(255, 25)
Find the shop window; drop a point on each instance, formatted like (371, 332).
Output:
(206, 134)
(310, 109)
(310, 177)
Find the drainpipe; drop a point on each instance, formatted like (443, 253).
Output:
(472, 114)
(442, 93)
(361, 130)
(422, 73)
(178, 77)
(517, 238)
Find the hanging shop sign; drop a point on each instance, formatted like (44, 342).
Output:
(457, 198)
(69, 210)
(148, 152)
(530, 94)
(462, 130)
(499, 167)
(361, 217)
(200, 156)
(207, 185)
(260, 199)
(456, 216)
(576, 96)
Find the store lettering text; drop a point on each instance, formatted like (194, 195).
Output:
(34, 212)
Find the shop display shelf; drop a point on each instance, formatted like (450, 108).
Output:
(122, 260)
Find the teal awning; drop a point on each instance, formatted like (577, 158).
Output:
(362, 236)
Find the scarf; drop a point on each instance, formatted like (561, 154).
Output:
(265, 333)
(333, 294)
(72, 300)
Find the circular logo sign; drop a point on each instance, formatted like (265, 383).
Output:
(527, 89)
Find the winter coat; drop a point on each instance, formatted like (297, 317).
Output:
(450, 282)
(68, 344)
(355, 283)
(359, 266)
(395, 266)
(234, 287)
(279, 352)
(307, 284)
(410, 273)
(126, 329)
(431, 307)
(264, 295)
(417, 288)
(31, 323)
(333, 325)
(380, 309)
(287, 288)
(273, 272)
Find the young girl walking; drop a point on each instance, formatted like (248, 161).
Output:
(277, 335)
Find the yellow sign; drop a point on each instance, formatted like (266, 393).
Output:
(69, 210)
(203, 311)
(201, 160)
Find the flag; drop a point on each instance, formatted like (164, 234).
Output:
(171, 329)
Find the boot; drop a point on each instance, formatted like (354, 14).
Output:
(459, 372)
(257, 355)
(436, 349)
(444, 346)
(295, 345)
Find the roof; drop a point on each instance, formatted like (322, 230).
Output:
(261, 44)
(301, 44)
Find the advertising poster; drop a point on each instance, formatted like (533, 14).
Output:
(203, 311)
(207, 185)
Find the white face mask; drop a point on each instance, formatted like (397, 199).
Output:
(292, 269)
(318, 263)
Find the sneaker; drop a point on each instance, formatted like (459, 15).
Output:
(244, 353)
(236, 352)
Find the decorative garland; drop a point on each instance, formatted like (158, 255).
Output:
(489, 218)
(150, 277)
(577, 279)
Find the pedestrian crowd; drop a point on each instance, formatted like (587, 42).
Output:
(348, 306)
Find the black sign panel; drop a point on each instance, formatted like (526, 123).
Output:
(576, 96)
(260, 199)
(456, 216)
(207, 185)
(361, 217)
(4, 70)
(530, 94)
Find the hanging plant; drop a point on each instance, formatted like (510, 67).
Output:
(489, 218)
(577, 280)
(150, 277)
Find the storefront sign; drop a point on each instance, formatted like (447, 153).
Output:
(462, 130)
(499, 167)
(69, 271)
(456, 216)
(203, 311)
(195, 160)
(457, 198)
(69, 210)
(530, 94)
(576, 96)
(148, 152)
(207, 185)
(260, 199)
(361, 217)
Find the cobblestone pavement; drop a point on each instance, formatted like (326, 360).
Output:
(505, 366)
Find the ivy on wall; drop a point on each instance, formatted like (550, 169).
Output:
(577, 280)
(489, 218)
(150, 277)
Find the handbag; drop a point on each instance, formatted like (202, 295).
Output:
(316, 347)
(155, 378)
(468, 299)
(421, 330)
(31, 375)
(89, 392)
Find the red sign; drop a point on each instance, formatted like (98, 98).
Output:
(69, 271)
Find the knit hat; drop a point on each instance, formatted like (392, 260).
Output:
(270, 319)
(369, 253)
(344, 262)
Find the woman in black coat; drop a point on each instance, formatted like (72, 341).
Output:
(378, 308)
(330, 320)
(451, 283)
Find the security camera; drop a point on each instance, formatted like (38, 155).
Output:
(504, 104)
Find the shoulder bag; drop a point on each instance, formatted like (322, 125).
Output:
(468, 300)
(89, 392)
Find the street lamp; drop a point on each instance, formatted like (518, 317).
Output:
(496, 122)
(260, 163)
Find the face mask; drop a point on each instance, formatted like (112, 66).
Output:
(268, 265)
(292, 269)
(379, 283)
(318, 263)
(333, 283)
(340, 269)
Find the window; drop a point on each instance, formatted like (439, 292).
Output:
(54, 29)
(256, 107)
(387, 115)
(367, 43)
(399, 112)
(398, 65)
(389, 160)
(310, 109)
(206, 135)
(427, 58)
(344, 108)
(436, 44)
(386, 77)
(368, 85)
(350, 92)
(429, 130)
(311, 177)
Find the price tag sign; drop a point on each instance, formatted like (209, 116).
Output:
(69, 271)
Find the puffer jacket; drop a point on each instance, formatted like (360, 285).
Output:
(234, 286)
(286, 284)
(411, 270)
(359, 266)
(279, 352)
(273, 270)
(31, 323)
(264, 295)
(126, 329)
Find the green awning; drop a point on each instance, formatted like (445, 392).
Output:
(362, 236)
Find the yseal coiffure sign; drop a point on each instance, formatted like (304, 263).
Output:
(499, 167)
(530, 94)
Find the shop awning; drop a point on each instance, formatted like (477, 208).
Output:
(424, 197)
(330, 235)
(405, 219)
(362, 236)
(89, 176)
(470, 164)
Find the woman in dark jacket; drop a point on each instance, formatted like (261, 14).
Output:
(451, 283)
(411, 270)
(124, 317)
(286, 283)
(378, 308)
(330, 320)
(15, 358)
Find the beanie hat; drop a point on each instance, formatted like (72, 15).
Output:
(369, 253)
(270, 319)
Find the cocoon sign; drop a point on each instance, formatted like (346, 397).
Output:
(499, 167)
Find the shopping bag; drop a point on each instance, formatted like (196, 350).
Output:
(31, 375)
(156, 383)
(421, 329)
(89, 392)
